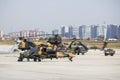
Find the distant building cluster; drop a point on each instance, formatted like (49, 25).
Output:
(29, 34)
(91, 31)
(68, 32)
(1, 35)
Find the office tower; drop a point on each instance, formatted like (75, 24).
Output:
(80, 32)
(118, 32)
(55, 31)
(93, 31)
(1, 33)
(75, 32)
(85, 32)
(63, 31)
(70, 32)
(111, 31)
(100, 31)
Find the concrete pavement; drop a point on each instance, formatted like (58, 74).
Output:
(91, 66)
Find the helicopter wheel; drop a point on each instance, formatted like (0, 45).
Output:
(82, 53)
(39, 59)
(78, 53)
(51, 58)
(35, 59)
(28, 59)
(106, 54)
(112, 54)
(20, 59)
(70, 59)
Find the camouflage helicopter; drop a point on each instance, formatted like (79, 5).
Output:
(78, 47)
(49, 50)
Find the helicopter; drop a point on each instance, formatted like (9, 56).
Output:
(78, 47)
(53, 48)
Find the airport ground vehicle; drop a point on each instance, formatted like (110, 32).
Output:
(109, 52)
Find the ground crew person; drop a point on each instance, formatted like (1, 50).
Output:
(104, 45)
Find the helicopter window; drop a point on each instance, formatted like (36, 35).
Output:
(44, 50)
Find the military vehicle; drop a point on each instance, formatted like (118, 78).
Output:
(109, 52)
(49, 50)
(43, 52)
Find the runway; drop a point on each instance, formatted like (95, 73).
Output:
(91, 66)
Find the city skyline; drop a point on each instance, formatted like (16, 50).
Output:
(109, 31)
(46, 15)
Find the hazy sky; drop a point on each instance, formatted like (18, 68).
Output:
(46, 15)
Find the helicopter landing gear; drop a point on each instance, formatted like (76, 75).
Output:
(70, 59)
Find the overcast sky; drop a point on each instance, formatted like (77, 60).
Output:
(45, 15)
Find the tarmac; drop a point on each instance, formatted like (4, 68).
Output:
(91, 66)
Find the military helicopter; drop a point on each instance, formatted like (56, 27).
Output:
(78, 47)
(49, 50)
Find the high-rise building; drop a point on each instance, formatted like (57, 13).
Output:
(85, 31)
(75, 32)
(80, 32)
(67, 31)
(1, 33)
(93, 31)
(63, 31)
(111, 31)
(105, 30)
(55, 31)
(70, 32)
(118, 32)
(100, 31)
